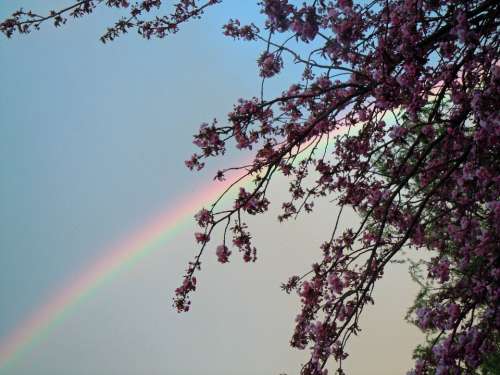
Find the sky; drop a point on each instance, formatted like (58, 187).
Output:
(93, 140)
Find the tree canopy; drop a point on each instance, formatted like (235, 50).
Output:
(414, 85)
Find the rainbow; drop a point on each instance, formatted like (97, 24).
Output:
(115, 260)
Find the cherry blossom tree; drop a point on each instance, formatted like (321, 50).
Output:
(415, 87)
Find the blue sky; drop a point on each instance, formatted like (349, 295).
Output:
(92, 143)
(94, 138)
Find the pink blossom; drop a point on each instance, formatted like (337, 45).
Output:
(222, 253)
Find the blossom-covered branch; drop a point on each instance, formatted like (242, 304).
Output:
(24, 22)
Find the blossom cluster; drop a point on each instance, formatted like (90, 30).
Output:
(420, 79)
